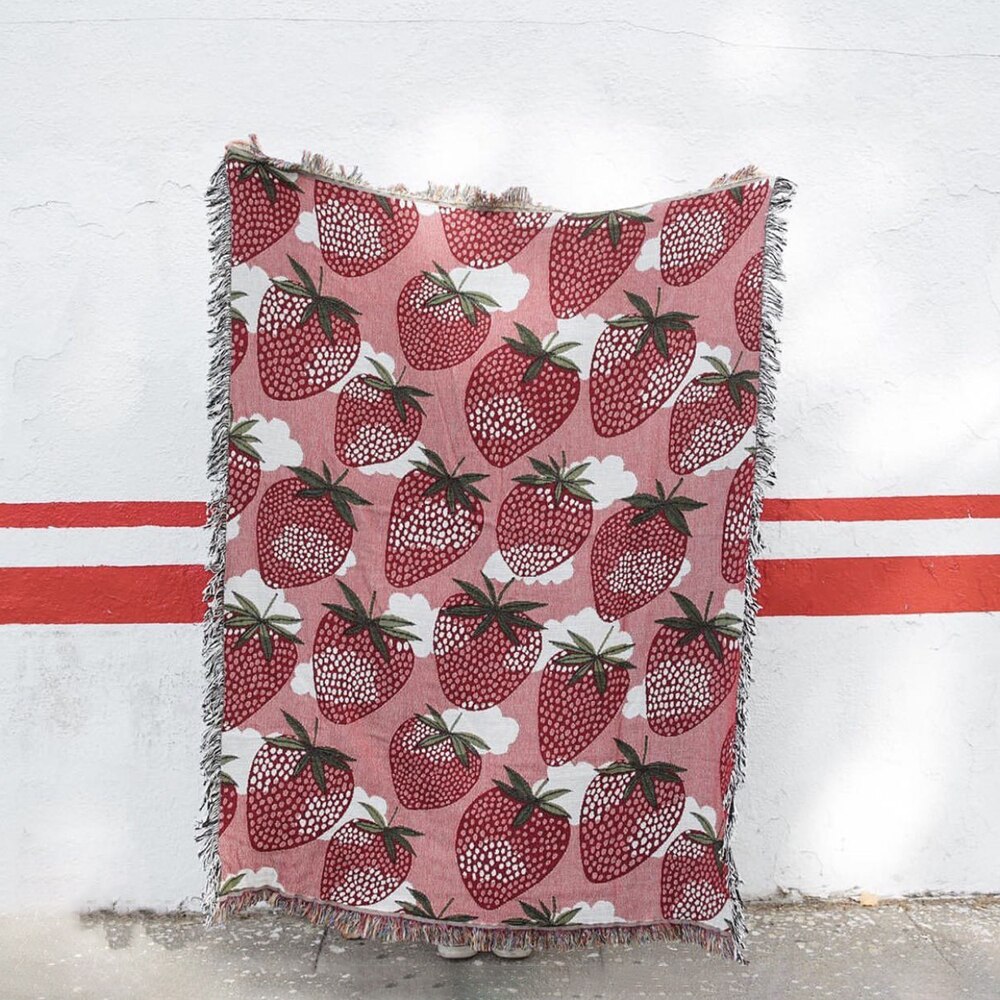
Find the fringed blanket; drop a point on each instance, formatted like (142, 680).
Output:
(489, 481)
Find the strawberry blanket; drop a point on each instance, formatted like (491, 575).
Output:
(489, 476)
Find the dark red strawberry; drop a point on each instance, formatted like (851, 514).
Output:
(588, 254)
(542, 915)
(485, 647)
(509, 839)
(694, 880)
(436, 517)
(238, 331)
(431, 764)
(693, 663)
(629, 810)
(519, 394)
(259, 655)
(727, 760)
(296, 791)
(440, 324)
(639, 362)
(747, 301)
(698, 232)
(711, 416)
(422, 907)
(244, 466)
(487, 238)
(378, 417)
(305, 526)
(737, 522)
(639, 550)
(228, 796)
(581, 691)
(360, 231)
(545, 518)
(367, 860)
(306, 341)
(359, 660)
(264, 203)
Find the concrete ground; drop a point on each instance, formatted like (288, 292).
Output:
(927, 949)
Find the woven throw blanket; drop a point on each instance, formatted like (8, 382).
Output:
(489, 475)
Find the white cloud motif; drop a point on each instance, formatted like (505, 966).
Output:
(649, 255)
(687, 822)
(423, 206)
(242, 744)
(253, 282)
(276, 446)
(497, 569)
(389, 904)
(501, 283)
(735, 603)
(583, 331)
(253, 588)
(349, 560)
(635, 702)
(363, 366)
(575, 778)
(233, 528)
(259, 878)
(417, 609)
(399, 466)
(586, 623)
(303, 681)
(359, 799)
(611, 480)
(497, 730)
(307, 229)
(601, 912)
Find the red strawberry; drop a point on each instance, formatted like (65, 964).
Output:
(296, 790)
(588, 254)
(228, 796)
(263, 201)
(488, 238)
(711, 416)
(581, 691)
(440, 325)
(431, 765)
(629, 810)
(694, 881)
(546, 518)
(639, 551)
(238, 331)
(305, 526)
(259, 655)
(542, 915)
(727, 760)
(509, 839)
(736, 523)
(519, 394)
(436, 517)
(422, 907)
(747, 301)
(360, 231)
(692, 665)
(639, 362)
(378, 417)
(367, 860)
(244, 466)
(698, 232)
(359, 660)
(485, 647)
(306, 341)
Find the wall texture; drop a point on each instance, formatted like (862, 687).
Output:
(874, 738)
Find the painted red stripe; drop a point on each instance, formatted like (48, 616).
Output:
(71, 595)
(103, 514)
(882, 508)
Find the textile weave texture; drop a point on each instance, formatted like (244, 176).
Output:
(488, 481)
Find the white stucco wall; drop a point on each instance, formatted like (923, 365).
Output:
(874, 741)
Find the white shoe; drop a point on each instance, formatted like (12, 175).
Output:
(455, 952)
(513, 953)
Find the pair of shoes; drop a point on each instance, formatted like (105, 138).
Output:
(455, 952)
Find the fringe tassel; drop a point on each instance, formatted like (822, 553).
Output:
(774, 244)
(220, 341)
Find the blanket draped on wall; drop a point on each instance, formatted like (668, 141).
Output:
(488, 483)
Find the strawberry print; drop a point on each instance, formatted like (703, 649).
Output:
(736, 522)
(305, 525)
(432, 764)
(259, 655)
(359, 660)
(519, 394)
(693, 662)
(436, 517)
(488, 239)
(639, 550)
(639, 361)
(441, 324)
(711, 416)
(727, 760)
(297, 790)
(629, 810)
(243, 466)
(367, 860)
(238, 330)
(485, 647)
(228, 796)
(588, 254)
(264, 203)
(378, 417)
(694, 879)
(747, 301)
(546, 517)
(509, 839)
(698, 232)
(582, 689)
(360, 231)
(306, 341)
